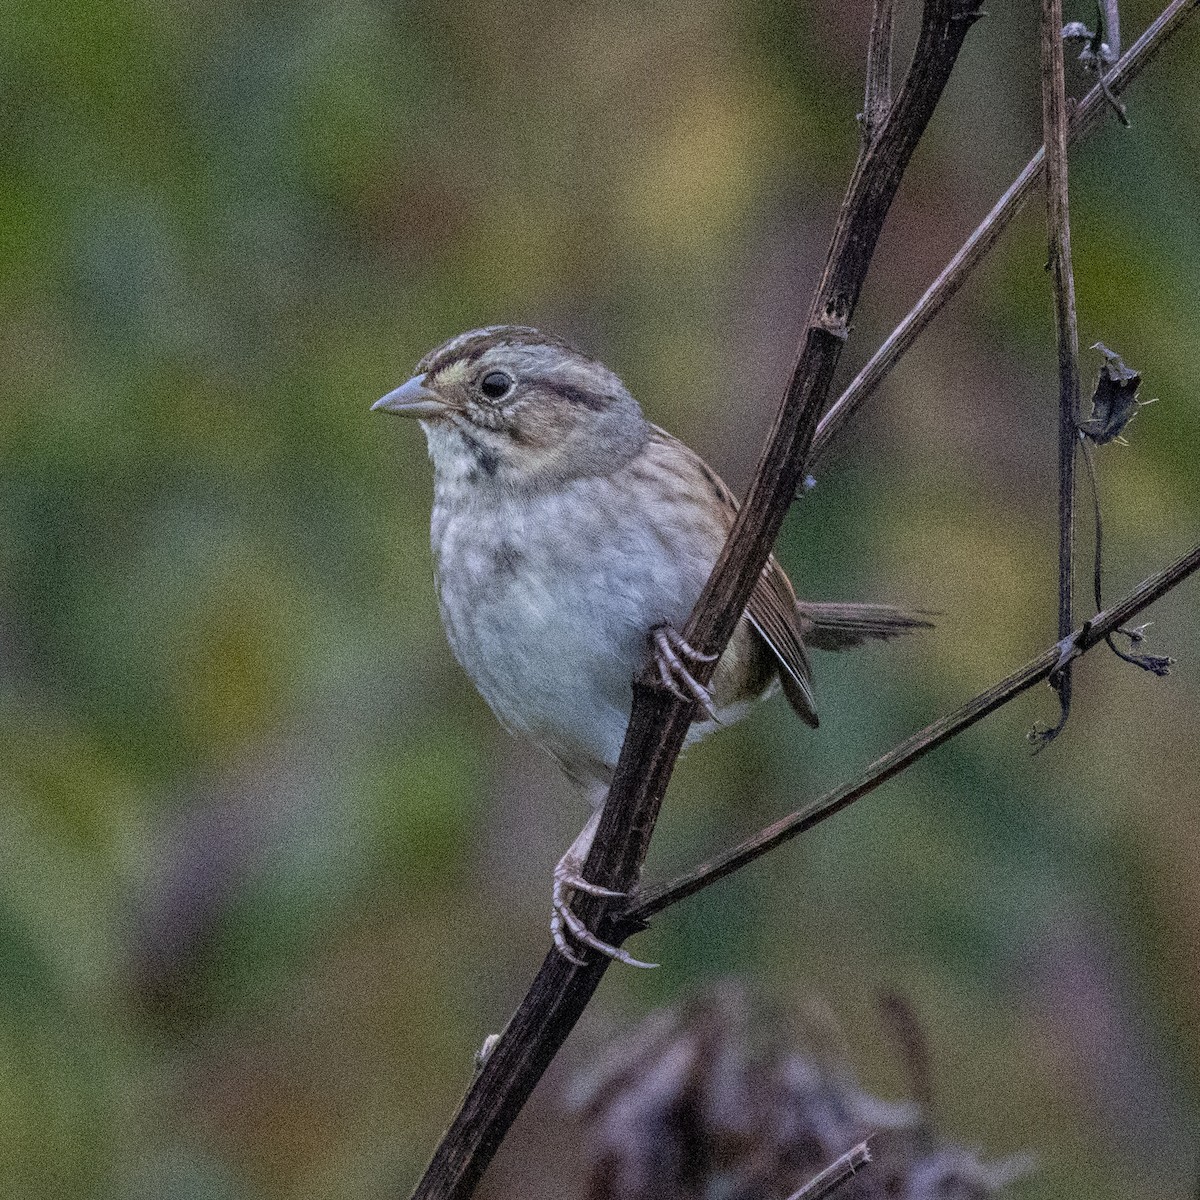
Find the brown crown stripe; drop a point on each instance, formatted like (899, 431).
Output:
(469, 347)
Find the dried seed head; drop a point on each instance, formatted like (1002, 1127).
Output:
(688, 1108)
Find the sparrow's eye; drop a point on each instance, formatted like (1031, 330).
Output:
(495, 384)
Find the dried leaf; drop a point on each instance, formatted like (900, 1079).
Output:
(1114, 401)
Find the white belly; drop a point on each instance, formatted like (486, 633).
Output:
(548, 606)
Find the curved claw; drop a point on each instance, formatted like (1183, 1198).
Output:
(560, 940)
(568, 930)
(581, 933)
(665, 675)
(567, 878)
(670, 653)
(577, 883)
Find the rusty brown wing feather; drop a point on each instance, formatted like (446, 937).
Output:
(772, 611)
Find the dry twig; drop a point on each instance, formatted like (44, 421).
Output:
(1112, 27)
(878, 98)
(1058, 228)
(716, 1098)
(841, 1171)
(1087, 116)
(1114, 404)
(654, 899)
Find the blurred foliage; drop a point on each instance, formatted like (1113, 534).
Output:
(711, 1101)
(271, 871)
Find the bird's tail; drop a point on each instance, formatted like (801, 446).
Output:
(839, 626)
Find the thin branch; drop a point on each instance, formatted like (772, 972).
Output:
(878, 99)
(838, 1172)
(652, 900)
(1112, 27)
(659, 721)
(1157, 664)
(1097, 55)
(1058, 228)
(1097, 527)
(1088, 115)
(1110, 51)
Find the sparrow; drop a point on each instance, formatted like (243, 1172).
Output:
(571, 538)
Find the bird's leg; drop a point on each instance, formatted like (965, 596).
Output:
(565, 926)
(672, 656)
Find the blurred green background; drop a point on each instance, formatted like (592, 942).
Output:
(270, 869)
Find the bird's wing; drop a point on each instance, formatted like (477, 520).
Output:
(772, 610)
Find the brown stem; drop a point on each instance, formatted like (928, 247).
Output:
(1112, 28)
(878, 98)
(659, 721)
(652, 900)
(1058, 226)
(839, 1171)
(1088, 115)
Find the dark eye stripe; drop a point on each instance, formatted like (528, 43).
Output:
(577, 395)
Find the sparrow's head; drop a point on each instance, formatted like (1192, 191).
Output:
(520, 408)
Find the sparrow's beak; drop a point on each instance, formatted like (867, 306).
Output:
(411, 399)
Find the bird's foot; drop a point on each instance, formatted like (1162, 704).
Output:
(674, 658)
(567, 929)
